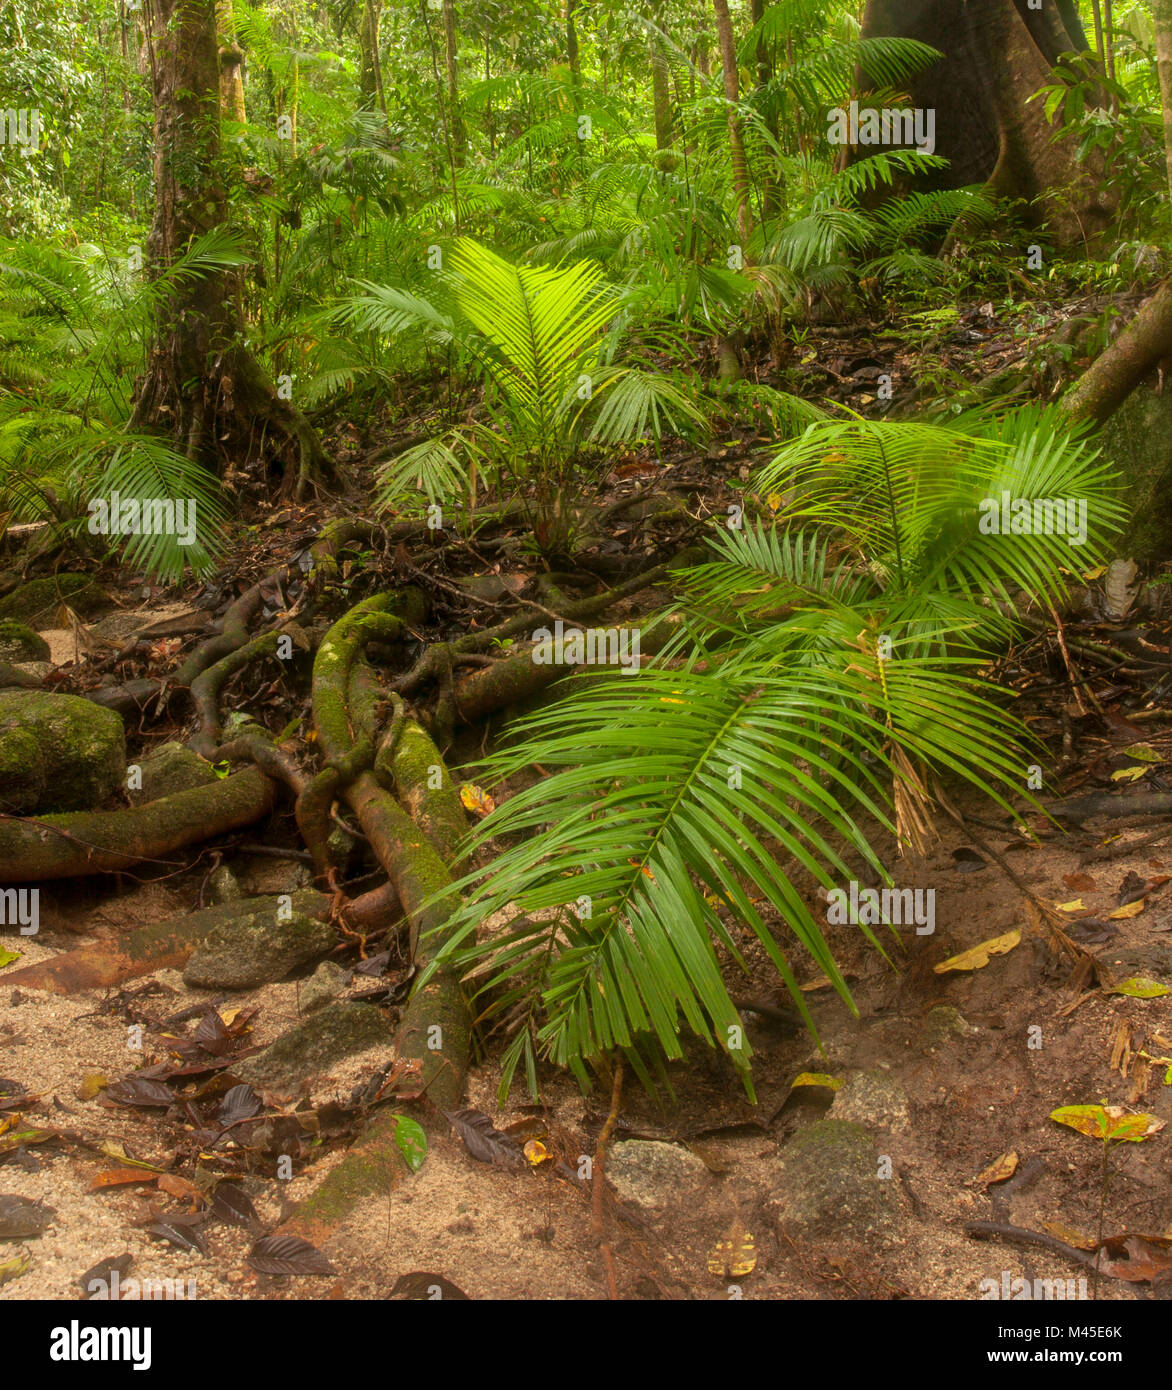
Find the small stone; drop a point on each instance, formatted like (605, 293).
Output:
(310, 1049)
(655, 1175)
(222, 885)
(170, 768)
(873, 1099)
(942, 1025)
(324, 985)
(255, 949)
(828, 1185)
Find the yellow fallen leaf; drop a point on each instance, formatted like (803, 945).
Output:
(1075, 905)
(977, 957)
(1128, 774)
(475, 798)
(91, 1083)
(816, 1078)
(1140, 987)
(735, 1254)
(1070, 1235)
(14, 1266)
(536, 1152)
(1108, 1122)
(1144, 753)
(1129, 909)
(998, 1171)
(774, 501)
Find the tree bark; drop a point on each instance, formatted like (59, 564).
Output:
(1144, 345)
(202, 386)
(997, 54)
(736, 144)
(1162, 14)
(459, 140)
(660, 93)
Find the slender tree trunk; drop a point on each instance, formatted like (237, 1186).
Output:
(231, 63)
(771, 196)
(573, 55)
(457, 124)
(660, 93)
(736, 144)
(370, 80)
(202, 385)
(1162, 13)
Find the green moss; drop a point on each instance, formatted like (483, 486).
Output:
(18, 642)
(38, 600)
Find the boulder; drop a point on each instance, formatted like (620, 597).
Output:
(57, 753)
(36, 602)
(654, 1175)
(255, 947)
(171, 767)
(310, 1049)
(18, 642)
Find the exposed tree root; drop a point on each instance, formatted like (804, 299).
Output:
(1120, 368)
(87, 842)
(169, 944)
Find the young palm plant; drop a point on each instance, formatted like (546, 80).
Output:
(828, 673)
(553, 389)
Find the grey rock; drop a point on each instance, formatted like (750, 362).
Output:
(170, 768)
(57, 753)
(36, 602)
(655, 1175)
(255, 948)
(873, 1099)
(222, 886)
(944, 1025)
(324, 985)
(314, 1046)
(18, 642)
(828, 1185)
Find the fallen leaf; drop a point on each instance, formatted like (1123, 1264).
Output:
(967, 861)
(476, 799)
(186, 1235)
(1080, 883)
(1109, 1122)
(14, 1266)
(420, 1286)
(1128, 910)
(976, 957)
(1129, 774)
(481, 1138)
(734, 1255)
(1000, 1170)
(288, 1255)
(138, 1090)
(120, 1177)
(92, 1083)
(816, 1078)
(536, 1152)
(180, 1188)
(1076, 905)
(21, 1217)
(1140, 987)
(411, 1141)
(7, 957)
(103, 1273)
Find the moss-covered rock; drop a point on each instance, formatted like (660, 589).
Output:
(255, 948)
(37, 601)
(172, 767)
(830, 1184)
(310, 1049)
(18, 642)
(57, 753)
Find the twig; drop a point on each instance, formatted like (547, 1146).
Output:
(596, 1221)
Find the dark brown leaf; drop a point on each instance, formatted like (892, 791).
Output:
(967, 861)
(184, 1233)
(482, 1139)
(21, 1218)
(240, 1103)
(426, 1288)
(103, 1273)
(288, 1255)
(138, 1090)
(233, 1205)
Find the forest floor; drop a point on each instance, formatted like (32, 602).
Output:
(949, 1072)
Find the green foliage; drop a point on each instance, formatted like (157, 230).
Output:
(678, 798)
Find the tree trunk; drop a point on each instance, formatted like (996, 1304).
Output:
(573, 56)
(771, 200)
(736, 144)
(1162, 13)
(370, 78)
(661, 93)
(457, 123)
(997, 54)
(231, 62)
(202, 386)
